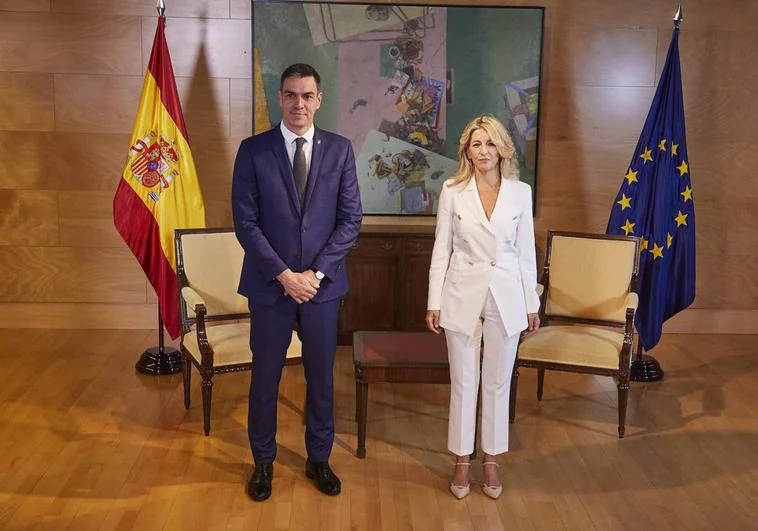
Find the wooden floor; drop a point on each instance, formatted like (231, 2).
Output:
(87, 443)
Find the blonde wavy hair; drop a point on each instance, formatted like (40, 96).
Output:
(509, 167)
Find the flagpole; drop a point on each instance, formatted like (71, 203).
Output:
(161, 360)
(645, 368)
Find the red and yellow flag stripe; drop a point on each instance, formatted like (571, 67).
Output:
(159, 190)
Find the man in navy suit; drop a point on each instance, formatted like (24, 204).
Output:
(297, 212)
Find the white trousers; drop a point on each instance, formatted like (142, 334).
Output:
(496, 370)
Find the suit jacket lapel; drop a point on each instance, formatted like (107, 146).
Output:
(317, 153)
(285, 168)
(503, 208)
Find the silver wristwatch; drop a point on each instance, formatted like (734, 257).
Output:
(319, 275)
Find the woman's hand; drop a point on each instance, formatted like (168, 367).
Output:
(433, 321)
(534, 323)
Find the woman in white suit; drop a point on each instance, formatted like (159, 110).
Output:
(482, 281)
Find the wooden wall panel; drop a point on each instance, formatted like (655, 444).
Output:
(79, 315)
(88, 44)
(713, 114)
(595, 114)
(25, 5)
(62, 161)
(240, 9)
(26, 101)
(70, 274)
(205, 103)
(241, 108)
(86, 220)
(29, 217)
(71, 73)
(183, 8)
(107, 104)
(727, 281)
(30, 168)
(717, 54)
(604, 56)
(222, 46)
(89, 232)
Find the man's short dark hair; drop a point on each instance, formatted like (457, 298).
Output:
(300, 70)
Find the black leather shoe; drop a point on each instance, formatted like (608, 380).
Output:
(259, 488)
(326, 480)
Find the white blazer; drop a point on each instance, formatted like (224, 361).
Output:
(473, 255)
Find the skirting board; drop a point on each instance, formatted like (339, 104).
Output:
(144, 317)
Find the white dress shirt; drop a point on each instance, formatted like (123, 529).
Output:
(289, 143)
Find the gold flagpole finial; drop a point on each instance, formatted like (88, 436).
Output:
(161, 7)
(678, 17)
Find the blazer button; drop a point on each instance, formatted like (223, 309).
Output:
(471, 263)
(492, 264)
(459, 217)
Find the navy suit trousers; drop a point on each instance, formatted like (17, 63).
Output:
(270, 336)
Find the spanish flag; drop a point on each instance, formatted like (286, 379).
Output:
(159, 191)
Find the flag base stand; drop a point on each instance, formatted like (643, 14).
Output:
(157, 361)
(646, 368)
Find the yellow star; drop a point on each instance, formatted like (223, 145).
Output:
(687, 194)
(682, 168)
(669, 239)
(631, 176)
(645, 243)
(647, 155)
(625, 202)
(681, 219)
(662, 145)
(674, 148)
(628, 227)
(657, 251)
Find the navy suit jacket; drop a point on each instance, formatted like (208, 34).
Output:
(276, 233)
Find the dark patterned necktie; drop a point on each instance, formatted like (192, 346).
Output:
(300, 169)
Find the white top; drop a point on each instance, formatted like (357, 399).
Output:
(289, 143)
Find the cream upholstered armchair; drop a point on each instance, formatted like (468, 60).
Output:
(215, 318)
(589, 296)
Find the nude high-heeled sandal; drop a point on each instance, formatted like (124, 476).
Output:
(460, 491)
(492, 491)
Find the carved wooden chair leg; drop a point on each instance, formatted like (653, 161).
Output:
(540, 383)
(186, 379)
(207, 393)
(623, 388)
(514, 393)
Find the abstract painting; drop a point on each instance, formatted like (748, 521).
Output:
(401, 82)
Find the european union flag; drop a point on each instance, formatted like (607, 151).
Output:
(655, 203)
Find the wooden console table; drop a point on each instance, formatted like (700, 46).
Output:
(394, 357)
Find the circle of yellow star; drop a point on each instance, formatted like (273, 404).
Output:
(662, 145)
(674, 148)
(625, 202)
(657, 251)
(645, 244)
(669, 239)
(682, 168)
(631, 176)
(628, 227)
(687, 194)
(681, 219)
(647, 155)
